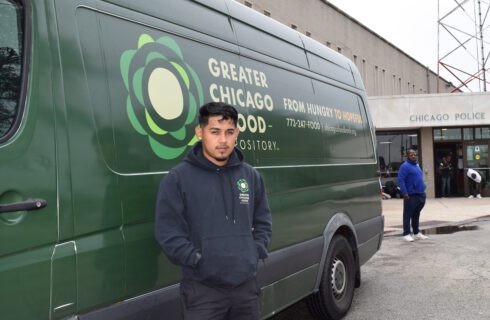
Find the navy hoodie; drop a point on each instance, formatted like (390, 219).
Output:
(213, 221)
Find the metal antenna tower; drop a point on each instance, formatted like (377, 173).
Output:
(462, 33)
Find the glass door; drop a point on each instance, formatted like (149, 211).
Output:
(477, 159)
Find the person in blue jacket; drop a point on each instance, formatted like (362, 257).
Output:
(213, 220)
(412, 188)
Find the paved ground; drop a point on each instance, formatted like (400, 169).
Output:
(446, 277)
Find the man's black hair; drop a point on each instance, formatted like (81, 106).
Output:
(213, 109)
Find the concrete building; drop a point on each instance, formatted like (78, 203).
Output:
(386, 70)
(453, 126)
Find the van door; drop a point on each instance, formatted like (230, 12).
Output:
(28, 188)
(95, 202)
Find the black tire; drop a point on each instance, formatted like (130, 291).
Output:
(336, 291)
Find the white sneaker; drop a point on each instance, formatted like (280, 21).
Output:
(420, 236)
(470, 197)
(408, 238)
(478, 196)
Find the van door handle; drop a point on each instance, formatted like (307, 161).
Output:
(28, 205)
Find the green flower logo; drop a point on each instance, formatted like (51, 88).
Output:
(242, 185)
(164, 93)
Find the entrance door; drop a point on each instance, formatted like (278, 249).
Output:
(477, 159)
(449, 154)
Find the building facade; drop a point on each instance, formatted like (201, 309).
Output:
(452, 128)
(385, 69)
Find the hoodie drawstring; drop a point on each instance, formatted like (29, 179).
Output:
(228, 208)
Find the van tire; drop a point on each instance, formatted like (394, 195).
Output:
(334, 297)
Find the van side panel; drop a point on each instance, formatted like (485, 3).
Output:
(322, 159)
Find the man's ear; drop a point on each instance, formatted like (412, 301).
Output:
(198, 132)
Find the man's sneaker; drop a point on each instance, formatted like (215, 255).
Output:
(478, 196)
(420, 236)
(408, 238)
(470, 197)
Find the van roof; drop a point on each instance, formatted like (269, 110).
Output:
(239, 12)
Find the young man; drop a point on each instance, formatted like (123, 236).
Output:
(213, 219)
(412, 188)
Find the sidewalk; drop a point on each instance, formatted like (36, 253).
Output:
(437, 212)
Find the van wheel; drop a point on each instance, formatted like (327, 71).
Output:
(336, 291)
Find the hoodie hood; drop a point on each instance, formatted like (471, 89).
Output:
(196, 157)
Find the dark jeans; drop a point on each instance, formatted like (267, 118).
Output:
(411, 212)
(202, 302)
(475, 188)
(445, 186)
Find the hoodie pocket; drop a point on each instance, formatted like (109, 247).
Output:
(228, 259)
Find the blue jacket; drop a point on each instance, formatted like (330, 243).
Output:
(213, 221)
(410, 178)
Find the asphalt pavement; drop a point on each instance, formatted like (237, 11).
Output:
(445, 277)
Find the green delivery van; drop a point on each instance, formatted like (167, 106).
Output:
(98, 100)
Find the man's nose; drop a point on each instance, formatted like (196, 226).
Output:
(222, 137)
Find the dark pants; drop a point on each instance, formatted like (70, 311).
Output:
(411, 212)
(202, 302)
(445, 186)
(475, 188)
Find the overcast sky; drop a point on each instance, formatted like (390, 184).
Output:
(412, 26)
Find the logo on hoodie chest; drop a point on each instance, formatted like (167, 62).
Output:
(243, 196)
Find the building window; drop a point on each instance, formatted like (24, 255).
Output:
(482, 133)
(383, 80)
(248, 4)
(447, 134)
(11, 52)
(294, 27)
(363, 70)
(468, 133)
(392, 148)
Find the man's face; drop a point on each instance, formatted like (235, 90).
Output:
(412, 156)
(218, 139)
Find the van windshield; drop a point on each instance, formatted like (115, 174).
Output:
(10, 62)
